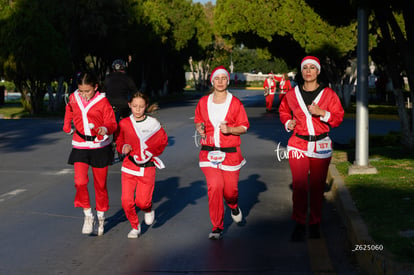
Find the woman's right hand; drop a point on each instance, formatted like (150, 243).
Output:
(291, 124)
(200, 129)
(127, 149)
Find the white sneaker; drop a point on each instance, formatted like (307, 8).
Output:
(101, 222)
(236, 214)
(88, 224)
(149, 217)
(216, 234)
(134, 233)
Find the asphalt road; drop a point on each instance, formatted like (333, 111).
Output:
(40, 231)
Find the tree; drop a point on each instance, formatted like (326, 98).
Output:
(179, 30)
(395, 52)
(33, 53)
(289, 30)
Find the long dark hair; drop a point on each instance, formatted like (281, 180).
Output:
(88, 78)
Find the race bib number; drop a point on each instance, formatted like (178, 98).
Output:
(216, 157)
(324, 146)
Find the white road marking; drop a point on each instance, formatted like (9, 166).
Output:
(64, 171)
(11, 194)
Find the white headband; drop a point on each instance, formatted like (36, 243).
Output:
(220, 71)
(310, 61)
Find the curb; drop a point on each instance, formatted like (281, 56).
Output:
(371, 261)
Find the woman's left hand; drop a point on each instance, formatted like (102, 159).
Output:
(101, 131)
(315, 110)
(224, 128)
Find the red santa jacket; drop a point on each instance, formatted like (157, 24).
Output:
(147, 139)
(293, 107)
(235, 115)
(283, 84)
(270, 84)
(87, 119)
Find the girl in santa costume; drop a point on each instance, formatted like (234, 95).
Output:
(269, 86)
(309, 111)
(284, 85)
(94, 122)
(220, 119)
(141, 139)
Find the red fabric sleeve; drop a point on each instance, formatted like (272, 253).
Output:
(157, 143)
(67, 124)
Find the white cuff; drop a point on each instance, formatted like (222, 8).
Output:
(326, 117)
(286, 126)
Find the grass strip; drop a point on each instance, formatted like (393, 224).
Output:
(385, 200)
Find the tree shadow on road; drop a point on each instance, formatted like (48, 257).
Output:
(177, 198)
(249, 191)
(24, 134)
(267, 126)
(115, 219)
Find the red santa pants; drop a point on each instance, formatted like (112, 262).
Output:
(269, 101)
(308, 175)
(221, 184)
(99, 182)
(137, 191)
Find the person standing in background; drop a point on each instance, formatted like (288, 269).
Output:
(269, 86)
(118, 88)
(284, 85)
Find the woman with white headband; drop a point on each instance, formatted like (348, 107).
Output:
(309, 111)
(220, 119)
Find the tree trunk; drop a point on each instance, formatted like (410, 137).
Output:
(192, 71)
(51, 104)
(60, 92)
(406, 134)
(406, 53)
(383, 18)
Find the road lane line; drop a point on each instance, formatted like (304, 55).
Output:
(11, 194)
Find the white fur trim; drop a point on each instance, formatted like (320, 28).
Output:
(310, 61)
(139, 173)
(220, 71)
(221, 166)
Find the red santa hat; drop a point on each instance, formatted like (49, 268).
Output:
(310, 60)
(217, 71)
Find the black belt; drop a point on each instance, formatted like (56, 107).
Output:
(313, 138)
(87, 138)
(223, 149)
(147, 164)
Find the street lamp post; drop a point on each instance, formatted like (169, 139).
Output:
(361, 165)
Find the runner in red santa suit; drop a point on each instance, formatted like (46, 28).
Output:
(269, 86)
(141, 138)
(94, 122)
(220, 119)
(284, 85)
(309, 110)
